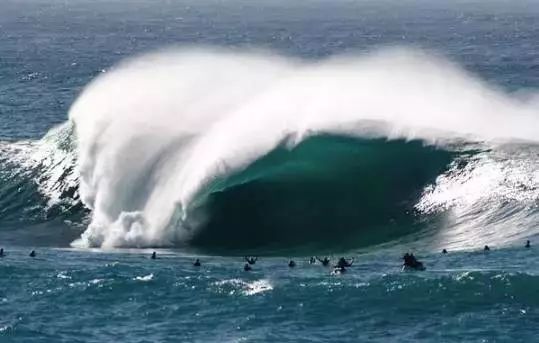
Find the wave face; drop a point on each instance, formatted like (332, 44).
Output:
(319, 192)
(238, 150)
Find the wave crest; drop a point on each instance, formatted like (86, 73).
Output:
(155, 132)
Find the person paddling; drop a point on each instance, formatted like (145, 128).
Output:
(325, 261)
(251, 259)
(411, 262)
(342, 263)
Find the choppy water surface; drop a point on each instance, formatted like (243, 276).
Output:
(282, 130)
(80, 296)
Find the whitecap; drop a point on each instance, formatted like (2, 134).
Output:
(144, 278)
(258, 286)
(246, 288)
(62, 275)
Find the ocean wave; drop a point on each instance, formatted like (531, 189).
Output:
(241, 150)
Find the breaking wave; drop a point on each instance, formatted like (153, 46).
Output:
(240, 150)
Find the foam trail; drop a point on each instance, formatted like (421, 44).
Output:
(157, 128)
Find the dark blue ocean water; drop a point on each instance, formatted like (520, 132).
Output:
(49, 50)
(77, 296)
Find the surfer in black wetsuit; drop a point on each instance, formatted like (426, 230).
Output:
(291, 263)
(411, 262)
(312, 260)
(486, 248)
(407, 260)
(342, 263)
(444, 251)
(528, 245)
(154, 255)
(251, 259)
(32, 253)
(1, 252)
(247, 267)
(325, 261)
(197, 263)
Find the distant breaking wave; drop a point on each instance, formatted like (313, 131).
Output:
(230, 149)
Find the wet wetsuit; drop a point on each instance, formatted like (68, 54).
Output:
(344, 263)
(325, 261)
(412, 262)
(251, 260)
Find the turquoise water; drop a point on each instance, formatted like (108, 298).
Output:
(66, 295)
(305, 156)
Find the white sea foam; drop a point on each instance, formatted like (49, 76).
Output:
(245, 287)
(154, 130)
(144, 278)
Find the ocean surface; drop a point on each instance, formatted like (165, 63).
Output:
(279, 129)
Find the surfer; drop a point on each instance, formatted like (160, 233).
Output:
(486, 248)
(528, 245)
(444, 251)
(33, 253)
(1, 252)
(312, 260)
(251, 259)
(197, 263)
(291, 263)
(342, 263)
(247, 267)
(325, 261)
(411, 262)
(409, 259)
(154, 255)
